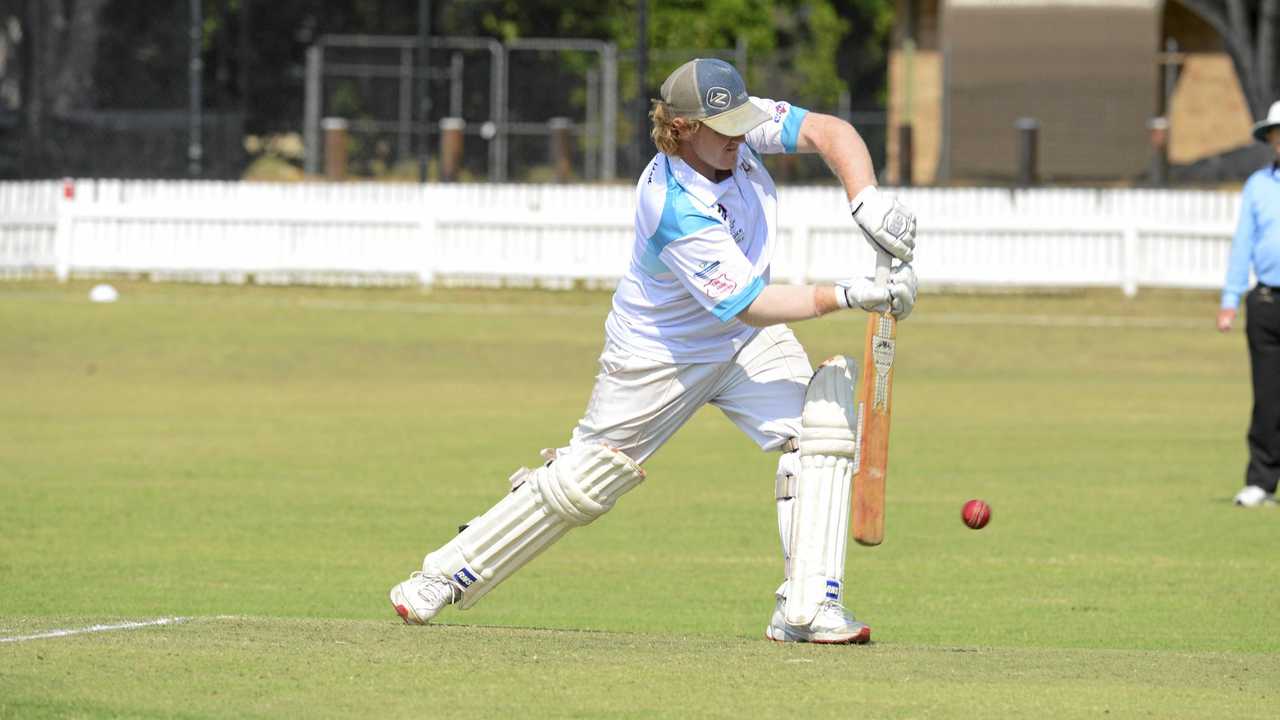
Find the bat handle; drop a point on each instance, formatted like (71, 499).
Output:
(883, 259)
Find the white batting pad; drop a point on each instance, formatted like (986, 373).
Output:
(580, 486)
(820, 521)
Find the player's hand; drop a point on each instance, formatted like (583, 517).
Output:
(902, 289)
(898, 297)
(863, 293)
(885, 222)
(1226, 317)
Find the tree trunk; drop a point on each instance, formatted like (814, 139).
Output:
(62, 39)
(1268, 20)
(67, 53)
(1231, 19)
(64, 35)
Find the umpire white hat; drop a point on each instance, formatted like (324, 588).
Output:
(1261, 128)
(712, 91)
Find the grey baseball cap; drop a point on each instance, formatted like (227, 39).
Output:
(712, 91)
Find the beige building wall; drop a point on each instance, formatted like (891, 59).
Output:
(1085, 71)
(915, 93)
(1208, 114)
(917, 101)
(1207, 110)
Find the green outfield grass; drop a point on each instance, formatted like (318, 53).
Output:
(266, 462)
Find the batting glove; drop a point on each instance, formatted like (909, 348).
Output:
(886, 223)
(897, 297)
(863, 293)
(902, 288)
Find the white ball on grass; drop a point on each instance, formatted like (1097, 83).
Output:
(103, 294)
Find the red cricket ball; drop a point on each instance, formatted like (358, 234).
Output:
(976, 514)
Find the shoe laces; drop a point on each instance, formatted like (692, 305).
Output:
(834, 608)
(435, 589)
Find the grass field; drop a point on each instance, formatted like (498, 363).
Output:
(264, 463)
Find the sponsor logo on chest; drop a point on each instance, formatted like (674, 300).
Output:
(737, 232)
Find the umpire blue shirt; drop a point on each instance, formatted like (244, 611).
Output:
(1257, 239)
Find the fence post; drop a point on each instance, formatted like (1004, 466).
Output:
(1159, 129)
(62, 232)
(906, 155)
(1130, 262)
(561, 148)
(1028, 151)
(335, 148)
(609, 107)
(311, 110)
(451, 147)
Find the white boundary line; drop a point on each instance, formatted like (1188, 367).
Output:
(94, 629)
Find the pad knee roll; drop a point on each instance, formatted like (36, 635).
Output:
(578, 487)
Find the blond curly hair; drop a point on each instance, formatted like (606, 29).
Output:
(664, 132)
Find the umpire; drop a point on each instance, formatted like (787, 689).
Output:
(1256, 245)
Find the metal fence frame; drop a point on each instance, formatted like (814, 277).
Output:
(605, 129)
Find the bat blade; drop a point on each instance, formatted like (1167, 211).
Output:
(875, 404)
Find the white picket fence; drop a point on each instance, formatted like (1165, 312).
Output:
(564, 235)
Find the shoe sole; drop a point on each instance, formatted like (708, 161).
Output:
(863, 637)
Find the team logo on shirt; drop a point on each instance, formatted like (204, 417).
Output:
(779, 110)
(707, 269)
(720, 286)
(734, 230)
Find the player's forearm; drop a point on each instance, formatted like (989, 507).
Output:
(841, 147)
(789, 303)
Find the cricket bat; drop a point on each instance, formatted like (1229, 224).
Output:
(875, 402)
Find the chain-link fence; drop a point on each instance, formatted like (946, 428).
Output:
(534, 109)
(456, 108)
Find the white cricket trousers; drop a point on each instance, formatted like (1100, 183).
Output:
(638, 404)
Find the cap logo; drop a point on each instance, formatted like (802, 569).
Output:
(718, 98)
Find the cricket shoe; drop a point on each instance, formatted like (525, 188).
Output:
(419, 598)
(832, 625)
(1253, 496)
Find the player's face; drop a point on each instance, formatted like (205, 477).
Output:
(716, 150)
(1273, 139)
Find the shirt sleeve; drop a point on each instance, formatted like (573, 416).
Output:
(712, 268)
(781, 131)
(1241, 251)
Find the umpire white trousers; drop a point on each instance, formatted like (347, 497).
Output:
(638, 404)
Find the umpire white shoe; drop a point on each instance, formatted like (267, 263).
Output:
(1253, 496)
(419, 598)
(833, 625)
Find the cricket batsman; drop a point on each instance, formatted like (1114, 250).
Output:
(695, 320)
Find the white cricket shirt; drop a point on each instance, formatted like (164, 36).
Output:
(702, 250)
